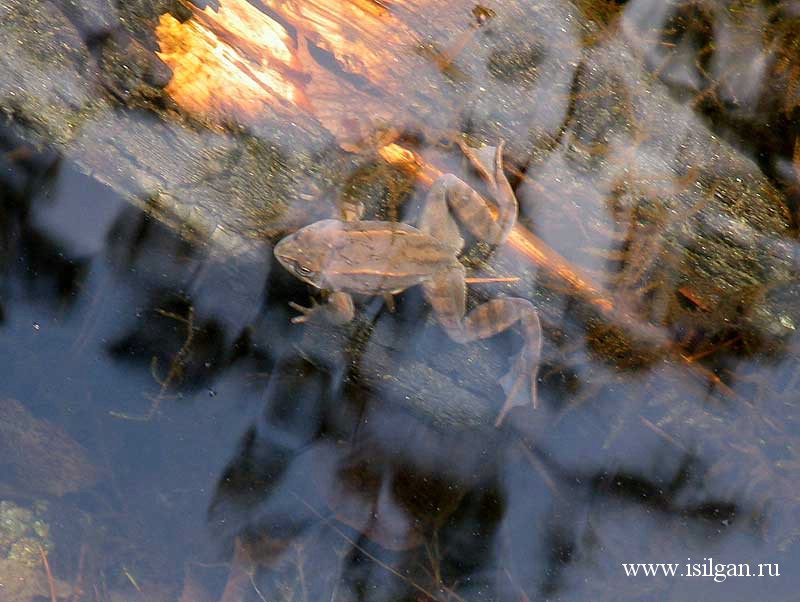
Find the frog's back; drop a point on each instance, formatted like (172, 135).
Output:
(373, 257)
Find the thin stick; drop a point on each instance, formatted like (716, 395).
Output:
(714, 348)
(663, 434)
(240, 572)
(796, 157)
(77, 587)
(301, 576)
(490, 280)
(49, 573)
(543, 471)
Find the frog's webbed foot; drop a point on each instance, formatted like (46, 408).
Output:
(519, 383)
(307, 313)
(338, 310)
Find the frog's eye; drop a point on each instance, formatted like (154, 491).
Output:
(303, 270)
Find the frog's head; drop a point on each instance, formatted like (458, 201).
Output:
(304, 253)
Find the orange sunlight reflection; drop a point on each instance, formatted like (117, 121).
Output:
(229, 63)
(315, 58)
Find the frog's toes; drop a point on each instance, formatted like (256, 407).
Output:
(307, 312)
(519, 385)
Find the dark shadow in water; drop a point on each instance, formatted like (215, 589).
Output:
(45, 267)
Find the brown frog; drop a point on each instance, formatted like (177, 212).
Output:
(377, 257)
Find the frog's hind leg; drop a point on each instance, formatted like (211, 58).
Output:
(451, 196)
(488, 162)
(436, 219)
(446, 293)
(498, 315)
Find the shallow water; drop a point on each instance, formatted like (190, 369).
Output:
(183, 440)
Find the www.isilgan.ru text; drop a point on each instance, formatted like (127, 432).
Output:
(708, 568)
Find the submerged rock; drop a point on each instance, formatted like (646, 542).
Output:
(41, 457)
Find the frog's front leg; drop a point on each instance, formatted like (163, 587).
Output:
(337, 310)
(446, 293)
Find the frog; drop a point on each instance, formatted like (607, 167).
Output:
(371, 257)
